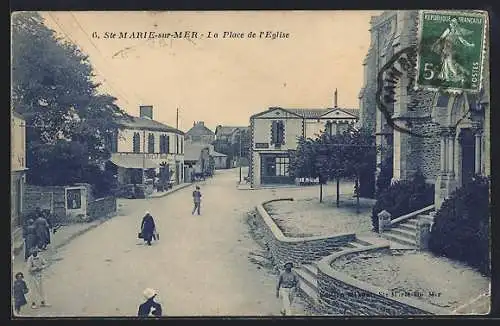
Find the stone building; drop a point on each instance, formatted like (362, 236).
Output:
(275, 132)
(455, 127)
(142, 144)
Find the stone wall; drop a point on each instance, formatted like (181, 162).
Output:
(342, 294)
(53, 199)
(297, 250)
(102, 207)
(49, 197)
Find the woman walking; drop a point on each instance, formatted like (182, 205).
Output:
(148, 228)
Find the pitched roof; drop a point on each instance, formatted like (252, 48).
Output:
(354, 112)
(225, 130)
(199, 129)
(315, 113)
(146, 124)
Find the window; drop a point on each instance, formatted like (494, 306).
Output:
(331, 128)
(162, 143)
(277, 133)
(137, 142)
(182, 146)
(177, 144)
(282, 166)
(151, 143)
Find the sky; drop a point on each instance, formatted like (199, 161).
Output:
(223, 80)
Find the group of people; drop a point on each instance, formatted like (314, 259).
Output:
(36, 232)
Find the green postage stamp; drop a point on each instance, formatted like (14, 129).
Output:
(451, 50)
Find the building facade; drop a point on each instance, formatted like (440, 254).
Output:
(455, 127)
(17, 167)
(200, 134)
(142, 143)
(275, 132)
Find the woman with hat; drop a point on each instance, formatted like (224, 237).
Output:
(287, 286)
(150, 307)
(30, 238)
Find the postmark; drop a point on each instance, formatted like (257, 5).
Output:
(451, 50)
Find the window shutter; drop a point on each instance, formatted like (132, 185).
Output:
(274, 132)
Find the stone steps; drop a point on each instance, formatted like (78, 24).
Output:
(407, 226)
(399, 238)
(308, 282)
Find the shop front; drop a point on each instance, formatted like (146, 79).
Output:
(275, 169)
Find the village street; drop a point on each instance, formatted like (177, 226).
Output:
(200, 265)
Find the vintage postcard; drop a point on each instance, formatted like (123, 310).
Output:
(250, 163)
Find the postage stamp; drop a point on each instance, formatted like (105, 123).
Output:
(451, 50)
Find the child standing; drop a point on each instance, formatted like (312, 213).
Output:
(20, 290)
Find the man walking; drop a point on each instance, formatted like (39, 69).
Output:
(287, 286)
(36, 264)
(196, 200)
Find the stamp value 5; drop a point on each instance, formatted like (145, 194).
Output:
(451, 50)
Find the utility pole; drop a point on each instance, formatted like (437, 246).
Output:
(240, 155)
(177, 119)
(144, 157)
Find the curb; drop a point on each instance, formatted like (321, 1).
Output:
(171, 191)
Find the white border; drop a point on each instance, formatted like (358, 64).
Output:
(473, 13)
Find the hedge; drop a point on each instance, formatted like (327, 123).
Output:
(461, 226)
(403, 197)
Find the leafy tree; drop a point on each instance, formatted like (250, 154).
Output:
(332, 157)
(68, 121)
(358, 155)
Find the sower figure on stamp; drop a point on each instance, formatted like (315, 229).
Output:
(196, 200)
(36, 265)
(288, 283)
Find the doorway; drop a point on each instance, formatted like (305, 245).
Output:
(468, 149)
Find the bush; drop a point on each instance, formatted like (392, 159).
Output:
(461, 226)
(385, 175)
(403, 197)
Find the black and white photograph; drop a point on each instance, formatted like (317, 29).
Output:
(250, 163)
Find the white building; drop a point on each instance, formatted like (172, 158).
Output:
(276, 131)
(17, 167)
(142, 143)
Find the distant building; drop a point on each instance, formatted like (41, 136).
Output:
(275, 133)
(17, 167)
(142, 143)
(199, 133)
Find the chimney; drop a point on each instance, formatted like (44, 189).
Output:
(146, 111)
(194, 123)
(335, 98)
(201, 123)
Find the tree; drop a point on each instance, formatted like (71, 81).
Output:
(358, 155)
(52, 88)
(332, 157)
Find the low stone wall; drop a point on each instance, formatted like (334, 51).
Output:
(297, 250)
(102, 207)
(342, 294)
